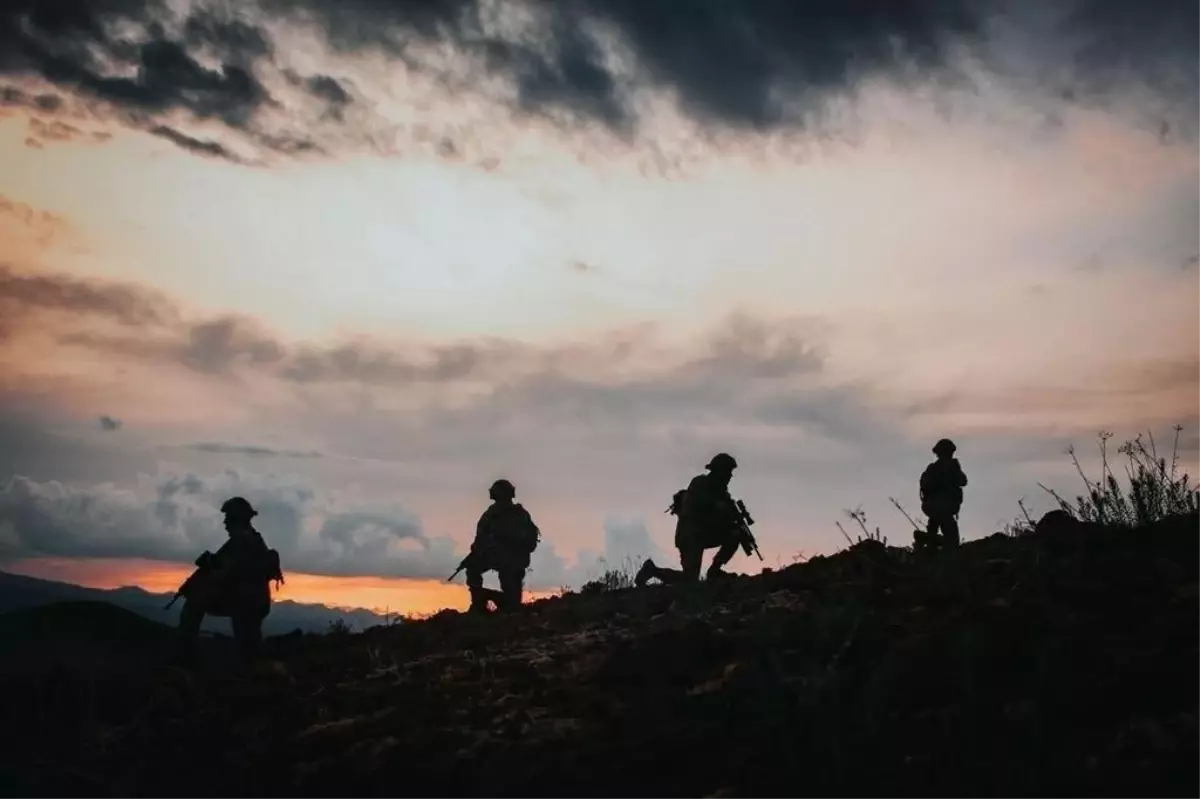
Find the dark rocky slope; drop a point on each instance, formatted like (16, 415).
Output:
(1052, 664)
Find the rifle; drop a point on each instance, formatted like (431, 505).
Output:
(202, 564)
(462, 565)
(744, 521)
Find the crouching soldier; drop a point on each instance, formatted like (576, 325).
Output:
(942, 485)
(234, 582)
(707, 519)
(505, 539)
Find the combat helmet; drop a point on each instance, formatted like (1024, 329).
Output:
(502, 489)
(722, 461)
(238, 506)
(944, 446)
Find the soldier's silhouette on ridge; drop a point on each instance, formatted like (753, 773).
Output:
(942, 485)
(708, 518)
(234, 582)
(505, 538)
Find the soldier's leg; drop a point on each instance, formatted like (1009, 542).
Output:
(933, 529)
(189, 626)
(247, 633)
(950, 530)
(512, 584)
(690, 559)
(479, 595)
(723, 556)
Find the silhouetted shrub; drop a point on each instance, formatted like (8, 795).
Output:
(1155, 489)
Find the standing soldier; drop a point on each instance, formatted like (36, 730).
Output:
(707, 519)
(942, 485)
(234, 582)
(505, 538)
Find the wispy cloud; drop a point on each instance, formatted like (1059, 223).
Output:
(219, 448)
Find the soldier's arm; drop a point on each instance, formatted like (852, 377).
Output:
(960, 475)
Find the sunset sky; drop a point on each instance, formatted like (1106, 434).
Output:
(356, 259)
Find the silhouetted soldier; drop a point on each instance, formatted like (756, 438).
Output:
(942, 485)
(707, 518)
(505, 538)
(233, 582)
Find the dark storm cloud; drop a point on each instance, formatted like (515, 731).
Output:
(120, 52)
(736, 62)
(327, 89)
(726, 59)
(731, 63)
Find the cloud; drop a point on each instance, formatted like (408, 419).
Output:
(109, 424)
(742, 63)
(45, 227)
(736, 65)
(603, 427)
(742, 349)
(219, 448)
(45, 118)
(197, 146)
(143, 65)
(23, 293)
(13, 97)
(627, 543)
(174, 515)
(30, 445)
(331, 91)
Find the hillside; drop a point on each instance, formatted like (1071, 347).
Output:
(77, 629)
(18, 592)
(1059, 664)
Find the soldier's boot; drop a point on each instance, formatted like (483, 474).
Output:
(479, 594)
(648, 570)
(479, 601)
(512, 588)
(921, 542)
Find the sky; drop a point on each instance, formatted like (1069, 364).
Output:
(355, 260)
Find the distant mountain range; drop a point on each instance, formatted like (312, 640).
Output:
(18, 592)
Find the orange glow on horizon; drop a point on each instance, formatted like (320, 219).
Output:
(378, 594)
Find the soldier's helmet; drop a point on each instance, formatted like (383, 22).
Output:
(722, 461)
(944, 446)
(238, 507)
(502, 489)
